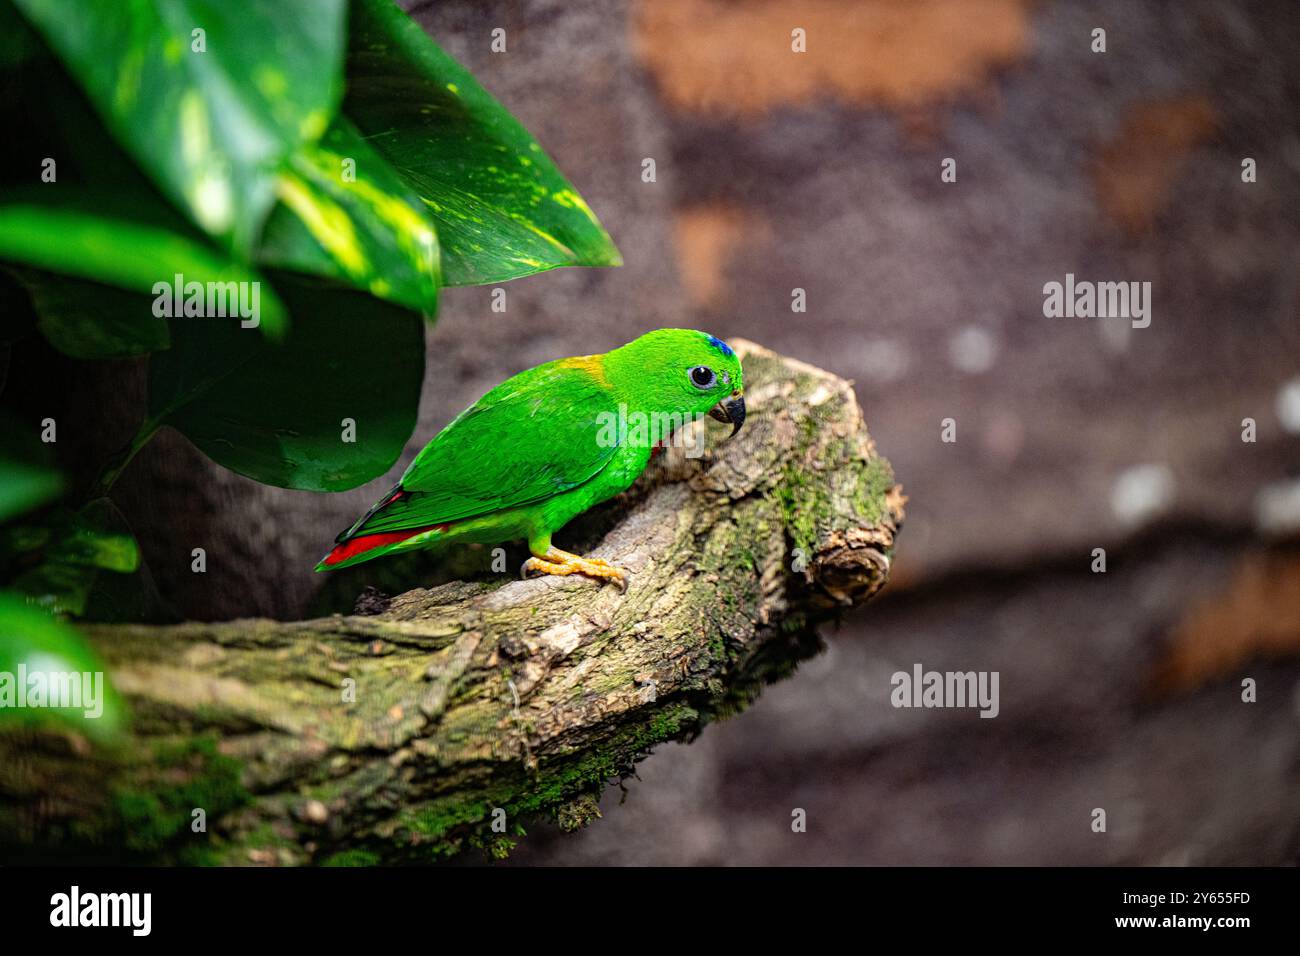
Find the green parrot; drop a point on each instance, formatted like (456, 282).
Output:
(544, 446)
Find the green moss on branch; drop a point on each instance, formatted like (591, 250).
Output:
(462, 713)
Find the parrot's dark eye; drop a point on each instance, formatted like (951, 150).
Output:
(702, 377)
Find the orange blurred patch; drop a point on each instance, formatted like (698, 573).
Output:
(593, 365)
(730, 58)
(1256, 615)
(707, 239)
(1134, 170)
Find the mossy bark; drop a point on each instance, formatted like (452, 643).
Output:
(459, 712)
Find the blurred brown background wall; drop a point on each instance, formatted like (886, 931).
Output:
(820, 171)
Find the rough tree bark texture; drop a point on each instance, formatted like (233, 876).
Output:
(405, 735)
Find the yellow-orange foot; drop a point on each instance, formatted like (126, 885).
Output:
(560, 562)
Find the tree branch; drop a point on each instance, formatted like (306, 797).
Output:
(409, 733)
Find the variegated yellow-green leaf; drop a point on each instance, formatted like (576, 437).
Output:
(100, 220)
(346, 214)
(211, 97)
(501, 207)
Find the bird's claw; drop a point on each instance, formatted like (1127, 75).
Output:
(563, 563)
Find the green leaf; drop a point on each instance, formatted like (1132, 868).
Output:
(501, 207)
(39, 654)
(95, 539)
(128, 599)
(110, 315)
(275, 412)
(17, 43)
(73, 547)
(111, 248)
(56, 586)
(26, 479)
(58, 561)
(24, 487)
(347, 215)
(212, 126)
(88, 320)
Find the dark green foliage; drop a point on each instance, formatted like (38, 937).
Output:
(192, 144)
(168, 165)
(243, 401)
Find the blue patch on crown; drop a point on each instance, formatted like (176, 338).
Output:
(721, 346)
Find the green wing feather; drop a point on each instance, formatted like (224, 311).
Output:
(533, 436)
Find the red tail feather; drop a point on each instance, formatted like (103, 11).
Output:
(368, 542)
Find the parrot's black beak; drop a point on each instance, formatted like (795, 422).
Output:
(730, 410)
